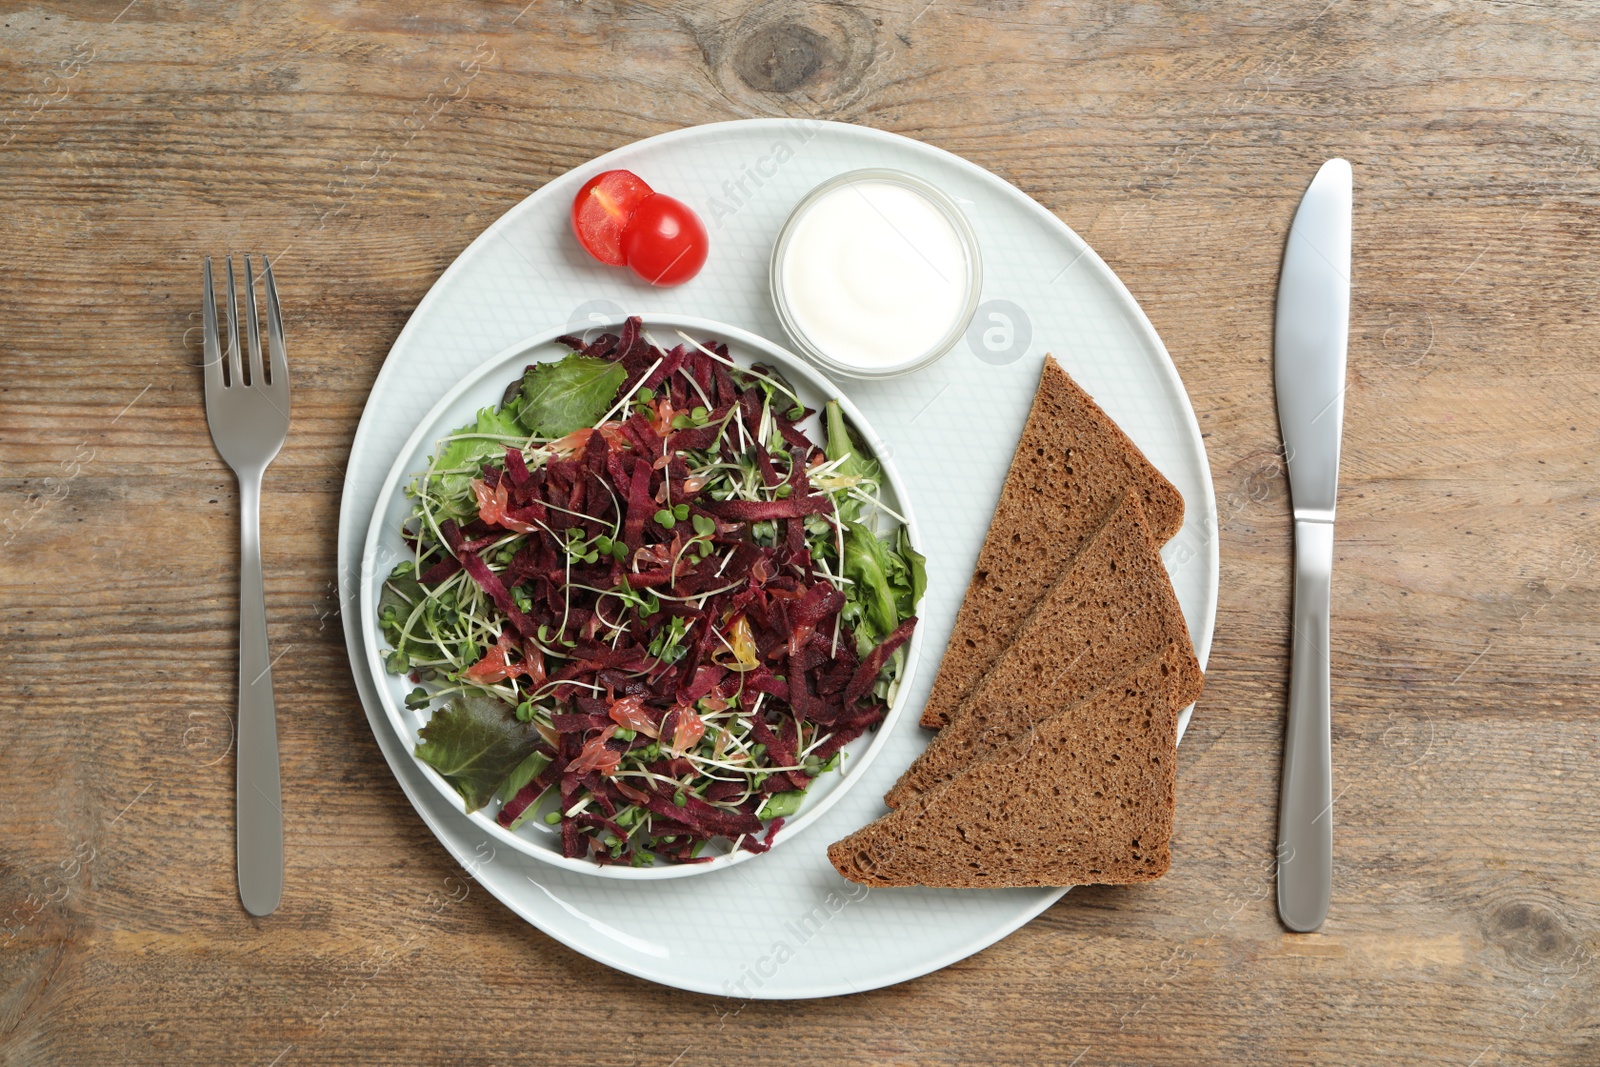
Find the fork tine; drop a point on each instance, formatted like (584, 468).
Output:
(211, 350)
(253, 322)
(279, 356)
(235, 375)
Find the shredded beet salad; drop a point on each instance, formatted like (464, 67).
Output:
(645, 607)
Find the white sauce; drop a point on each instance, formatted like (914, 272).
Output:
(874, 274)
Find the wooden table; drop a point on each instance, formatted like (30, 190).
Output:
(369, 143)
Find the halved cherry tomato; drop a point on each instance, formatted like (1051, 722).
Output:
(665, 242)
(602, 209)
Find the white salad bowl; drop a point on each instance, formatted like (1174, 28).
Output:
(484, 387)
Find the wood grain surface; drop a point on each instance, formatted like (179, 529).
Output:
(1176, 136)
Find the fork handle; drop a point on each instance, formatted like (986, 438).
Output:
(259, 796)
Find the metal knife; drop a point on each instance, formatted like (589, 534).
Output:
(1309, 346)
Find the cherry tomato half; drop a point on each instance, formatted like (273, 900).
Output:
(602, 209)
(665, 242)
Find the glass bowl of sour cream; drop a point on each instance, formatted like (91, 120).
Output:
(876, 273)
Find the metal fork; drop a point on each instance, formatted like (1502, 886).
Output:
(247, 408)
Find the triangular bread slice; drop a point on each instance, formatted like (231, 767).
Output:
(1114, 608)
(1071, 467)
(1085, 797)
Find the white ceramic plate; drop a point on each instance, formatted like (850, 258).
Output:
(789, 926)
(385, 548)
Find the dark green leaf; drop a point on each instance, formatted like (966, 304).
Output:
(475, 742)
(558, 398)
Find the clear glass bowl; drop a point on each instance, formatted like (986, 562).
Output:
(973, 262)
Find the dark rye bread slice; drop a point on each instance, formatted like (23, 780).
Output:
(1114, 608)
(1085, 797)
(1071, 467)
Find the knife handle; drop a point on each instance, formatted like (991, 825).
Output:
(1305, 812)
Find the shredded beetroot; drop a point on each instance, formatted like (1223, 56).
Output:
(763, 843)
(861, 684)
(440, 571)
(756, 510)
(487, 579)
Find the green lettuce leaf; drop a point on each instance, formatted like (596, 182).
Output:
(858, 467)
(472, 452)
(906, 571)
(475, 742)
(867, 563)
(558, 398)
(918, 565)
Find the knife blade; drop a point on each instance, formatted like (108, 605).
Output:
(1310, 341)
